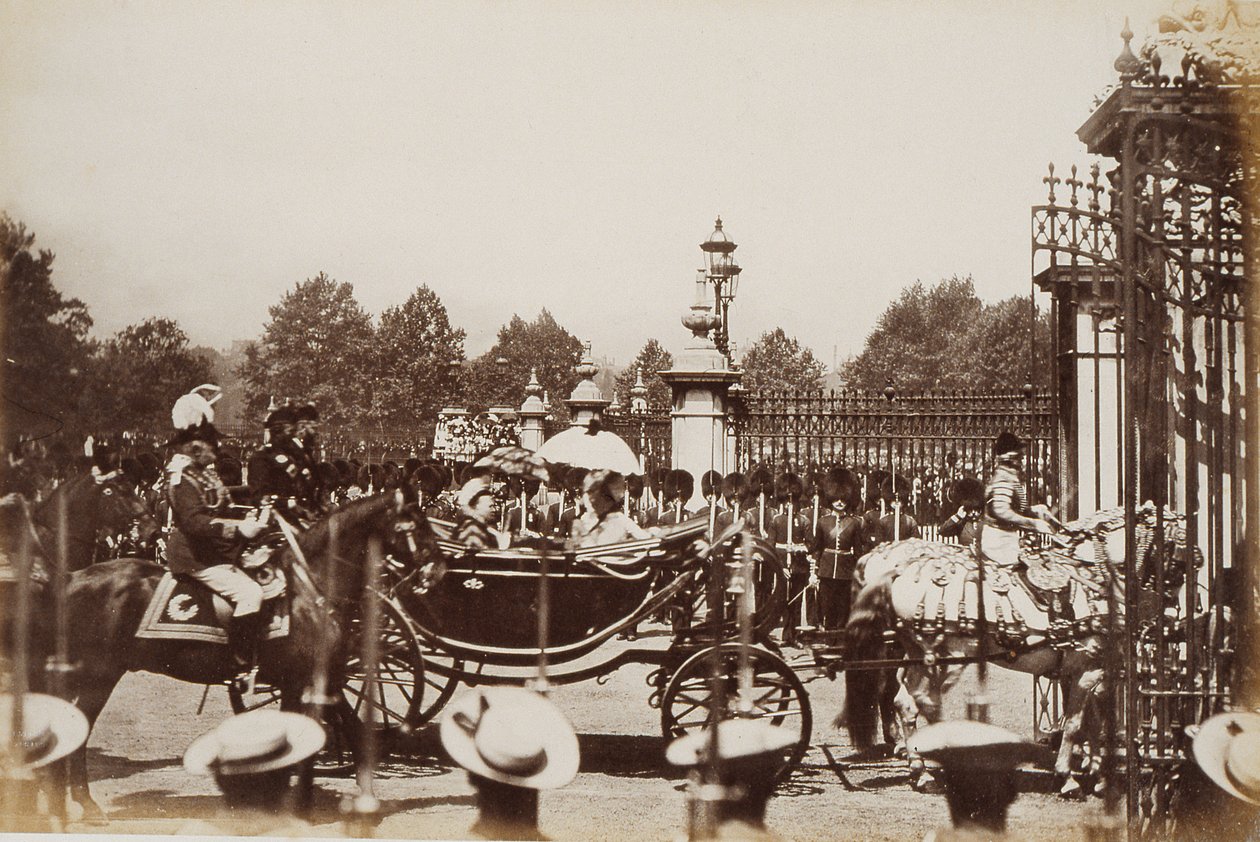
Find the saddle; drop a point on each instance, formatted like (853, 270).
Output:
(184, 609)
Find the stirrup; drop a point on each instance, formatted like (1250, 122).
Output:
(245, 681)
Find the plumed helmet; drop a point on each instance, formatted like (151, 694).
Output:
(733, 486)
(841, 484)
(280, 416)
(306, 412)
(788, 487)
(429, 479)
(192, 409)
(202, 432)
(711, 484)
(966, 492)
(684, 485)
(1008, 442)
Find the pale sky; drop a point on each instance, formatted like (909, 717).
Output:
(195, 160)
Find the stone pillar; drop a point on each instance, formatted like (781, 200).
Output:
(532, 413)
(701, 379)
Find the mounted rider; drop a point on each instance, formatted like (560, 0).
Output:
(206, 544)
(281, 468)
(1005, 505)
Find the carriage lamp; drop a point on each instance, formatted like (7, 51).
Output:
(722, 272)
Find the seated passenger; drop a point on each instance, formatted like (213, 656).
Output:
(604, 522)
(476, 506)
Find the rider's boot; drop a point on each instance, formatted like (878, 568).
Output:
(243, 635)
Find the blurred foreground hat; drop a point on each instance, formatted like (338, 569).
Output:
(737, 739)
(254, 742)
(973, 745)
(1227, 749)
(51, 728)
(511, 735)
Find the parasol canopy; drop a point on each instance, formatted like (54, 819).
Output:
(515, 462)
(581, 448)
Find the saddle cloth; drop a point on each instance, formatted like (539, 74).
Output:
(184, 609)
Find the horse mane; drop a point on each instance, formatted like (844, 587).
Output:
(344, 521)
(44, 512)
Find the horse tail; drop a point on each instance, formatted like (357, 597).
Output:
(871, 614)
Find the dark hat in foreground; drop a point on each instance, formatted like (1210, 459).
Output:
(52, 728)
(511, 735)
(737, 739)
(254, 742)
(1227, 749)
(1008, 442)
(966, 744)
(966, 492)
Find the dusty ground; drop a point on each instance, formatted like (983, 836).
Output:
(624, 790)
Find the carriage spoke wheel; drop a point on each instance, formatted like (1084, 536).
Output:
(778, 696)
(768, 584)
(393, 708)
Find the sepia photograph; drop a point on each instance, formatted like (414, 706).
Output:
(800, 420)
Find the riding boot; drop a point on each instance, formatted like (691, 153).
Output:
(243, 635)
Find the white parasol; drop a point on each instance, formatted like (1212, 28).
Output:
(578, 447)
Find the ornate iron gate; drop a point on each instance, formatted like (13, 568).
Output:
(649, 434)
(1153, 288)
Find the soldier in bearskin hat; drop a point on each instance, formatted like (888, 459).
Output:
(896, 523)
(838, 542)
(679, 486)
(759, 500)
(570, 508)
(734, 486)
(792, 535)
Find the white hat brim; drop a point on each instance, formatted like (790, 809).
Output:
(560, 744)
(977, 745)
(1211, 745)
(304, 736)
(735, 742)
(68, 725)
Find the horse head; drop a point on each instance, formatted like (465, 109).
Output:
(95, 503)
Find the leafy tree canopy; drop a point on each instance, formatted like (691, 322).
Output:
(44, 338)
(543, 345)
(416, 345)
(318, 346)
(778, 362)
(652, 359)
(945, 337)
(140, 373)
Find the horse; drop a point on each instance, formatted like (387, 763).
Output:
(106, 603)
(926, 591)
(94, 503)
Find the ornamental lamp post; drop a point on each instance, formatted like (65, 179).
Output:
(722, 272)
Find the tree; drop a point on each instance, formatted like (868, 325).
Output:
(44, 337)
(140, 373)
(946, 337)
(543, 345)
(415, 346)
(777, 361)
(318, 346)
(652, 359)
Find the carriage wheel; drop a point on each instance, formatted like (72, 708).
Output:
(393, 710)
(769, 587)
(778, 696)
(441, 679)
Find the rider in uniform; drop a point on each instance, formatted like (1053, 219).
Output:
(206, 544)
(838, 542)
(1005, 505)
(280, 468)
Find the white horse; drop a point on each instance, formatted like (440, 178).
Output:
(1049, 618)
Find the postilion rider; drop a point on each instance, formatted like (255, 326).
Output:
(206, 545)
(1005, 505)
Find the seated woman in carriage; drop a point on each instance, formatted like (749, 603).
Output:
(477, 511)
(604, 521)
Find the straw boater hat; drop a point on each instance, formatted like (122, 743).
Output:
(1227, 749)
(52, 728)
(738, 739)
(255, 742)
(965, 744)
(513, 736)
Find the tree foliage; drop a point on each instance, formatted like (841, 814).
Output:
(945, 337)
(415, 346)
(141, 371)
(543, 345)
(44, 337)
(318, 346)
(777, 361)
(652, 359)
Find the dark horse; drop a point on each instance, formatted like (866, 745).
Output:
(107, 600)
(93, 504)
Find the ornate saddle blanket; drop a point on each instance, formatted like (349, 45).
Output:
(184, 609)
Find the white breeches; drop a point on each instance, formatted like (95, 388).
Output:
(234, 585)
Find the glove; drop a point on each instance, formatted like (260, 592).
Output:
(248, 529)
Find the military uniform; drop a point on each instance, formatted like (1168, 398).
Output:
(1005, 507)
(838, 543)
(281, 469)
(791, 531)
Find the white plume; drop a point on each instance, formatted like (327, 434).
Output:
(190, 411)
